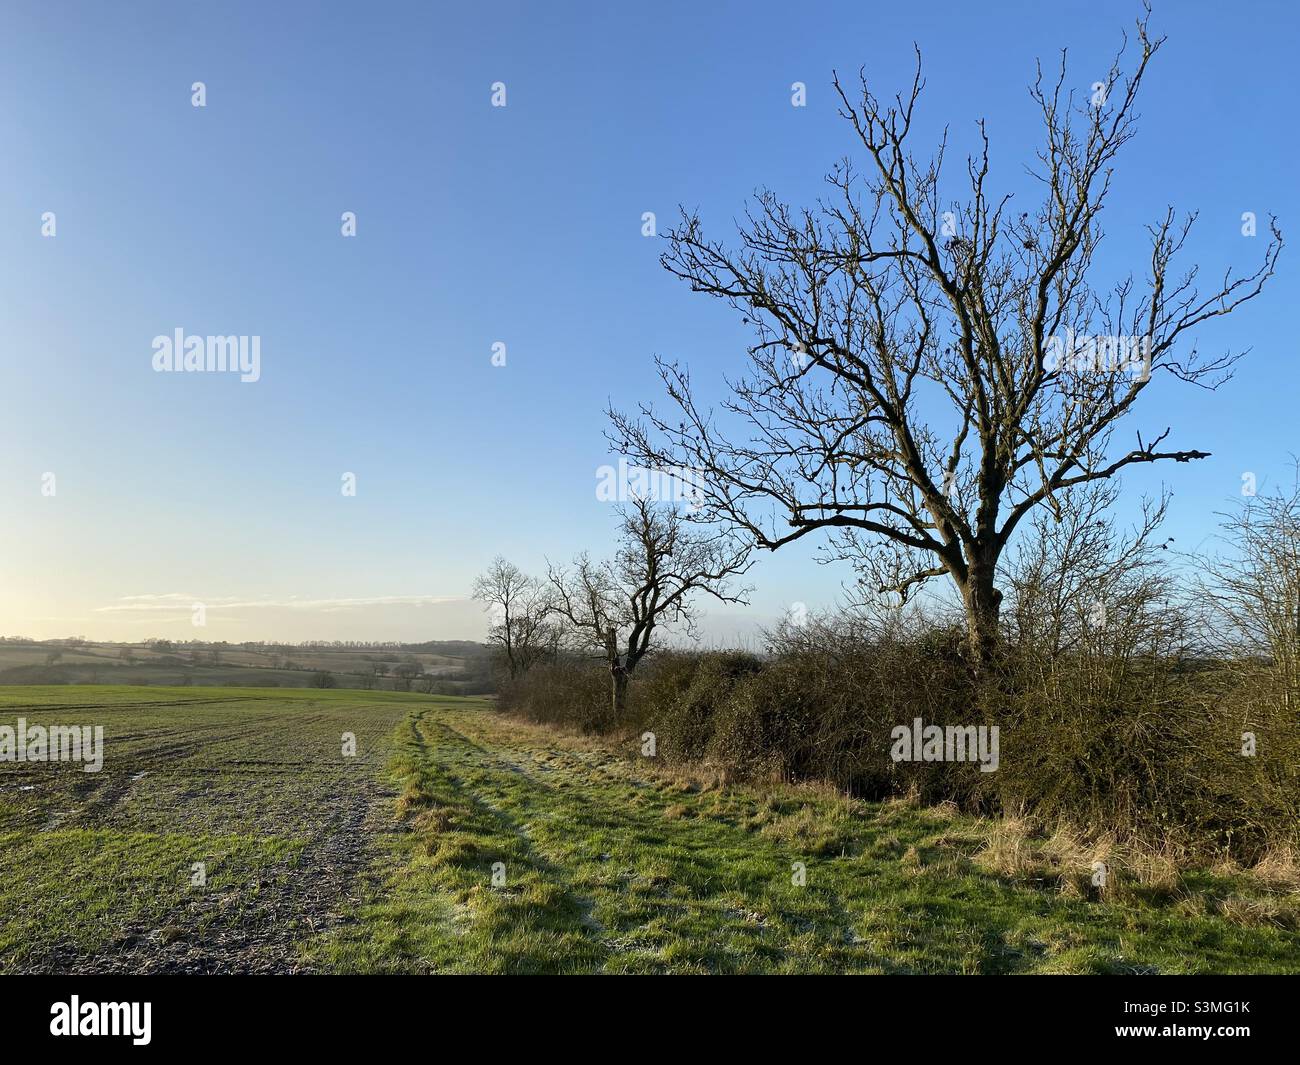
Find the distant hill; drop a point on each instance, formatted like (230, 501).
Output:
(447, 667)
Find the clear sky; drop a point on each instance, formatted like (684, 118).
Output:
(476, 225)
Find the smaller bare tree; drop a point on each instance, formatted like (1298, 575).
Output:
(614, 607)
(1255, 584)
(521, 610)
(1080, 582)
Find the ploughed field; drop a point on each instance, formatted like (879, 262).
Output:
(270, 830)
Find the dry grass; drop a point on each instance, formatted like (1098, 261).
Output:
(1278, 912)
(694, 778)
(1083, 865)
(1279, 869)
(1009, 851)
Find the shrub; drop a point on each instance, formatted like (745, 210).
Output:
(568, 691)
(684, 712)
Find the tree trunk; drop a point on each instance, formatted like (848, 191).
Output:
(983, 604)
(617, 672)
(619, 675)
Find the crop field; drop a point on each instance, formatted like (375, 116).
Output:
(228, 831)
(97, 869)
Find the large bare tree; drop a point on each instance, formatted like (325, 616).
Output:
(615, 607)
(927, 372)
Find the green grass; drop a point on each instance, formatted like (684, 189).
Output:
(611, 867)
(384, 862)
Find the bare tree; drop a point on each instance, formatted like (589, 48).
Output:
(1255, 583)
(886, 301)
(521, 614)
(615, 607)
(1080, 582)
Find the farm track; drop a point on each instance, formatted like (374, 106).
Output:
(571, 899)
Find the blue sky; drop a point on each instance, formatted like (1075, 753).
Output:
(476, 225)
